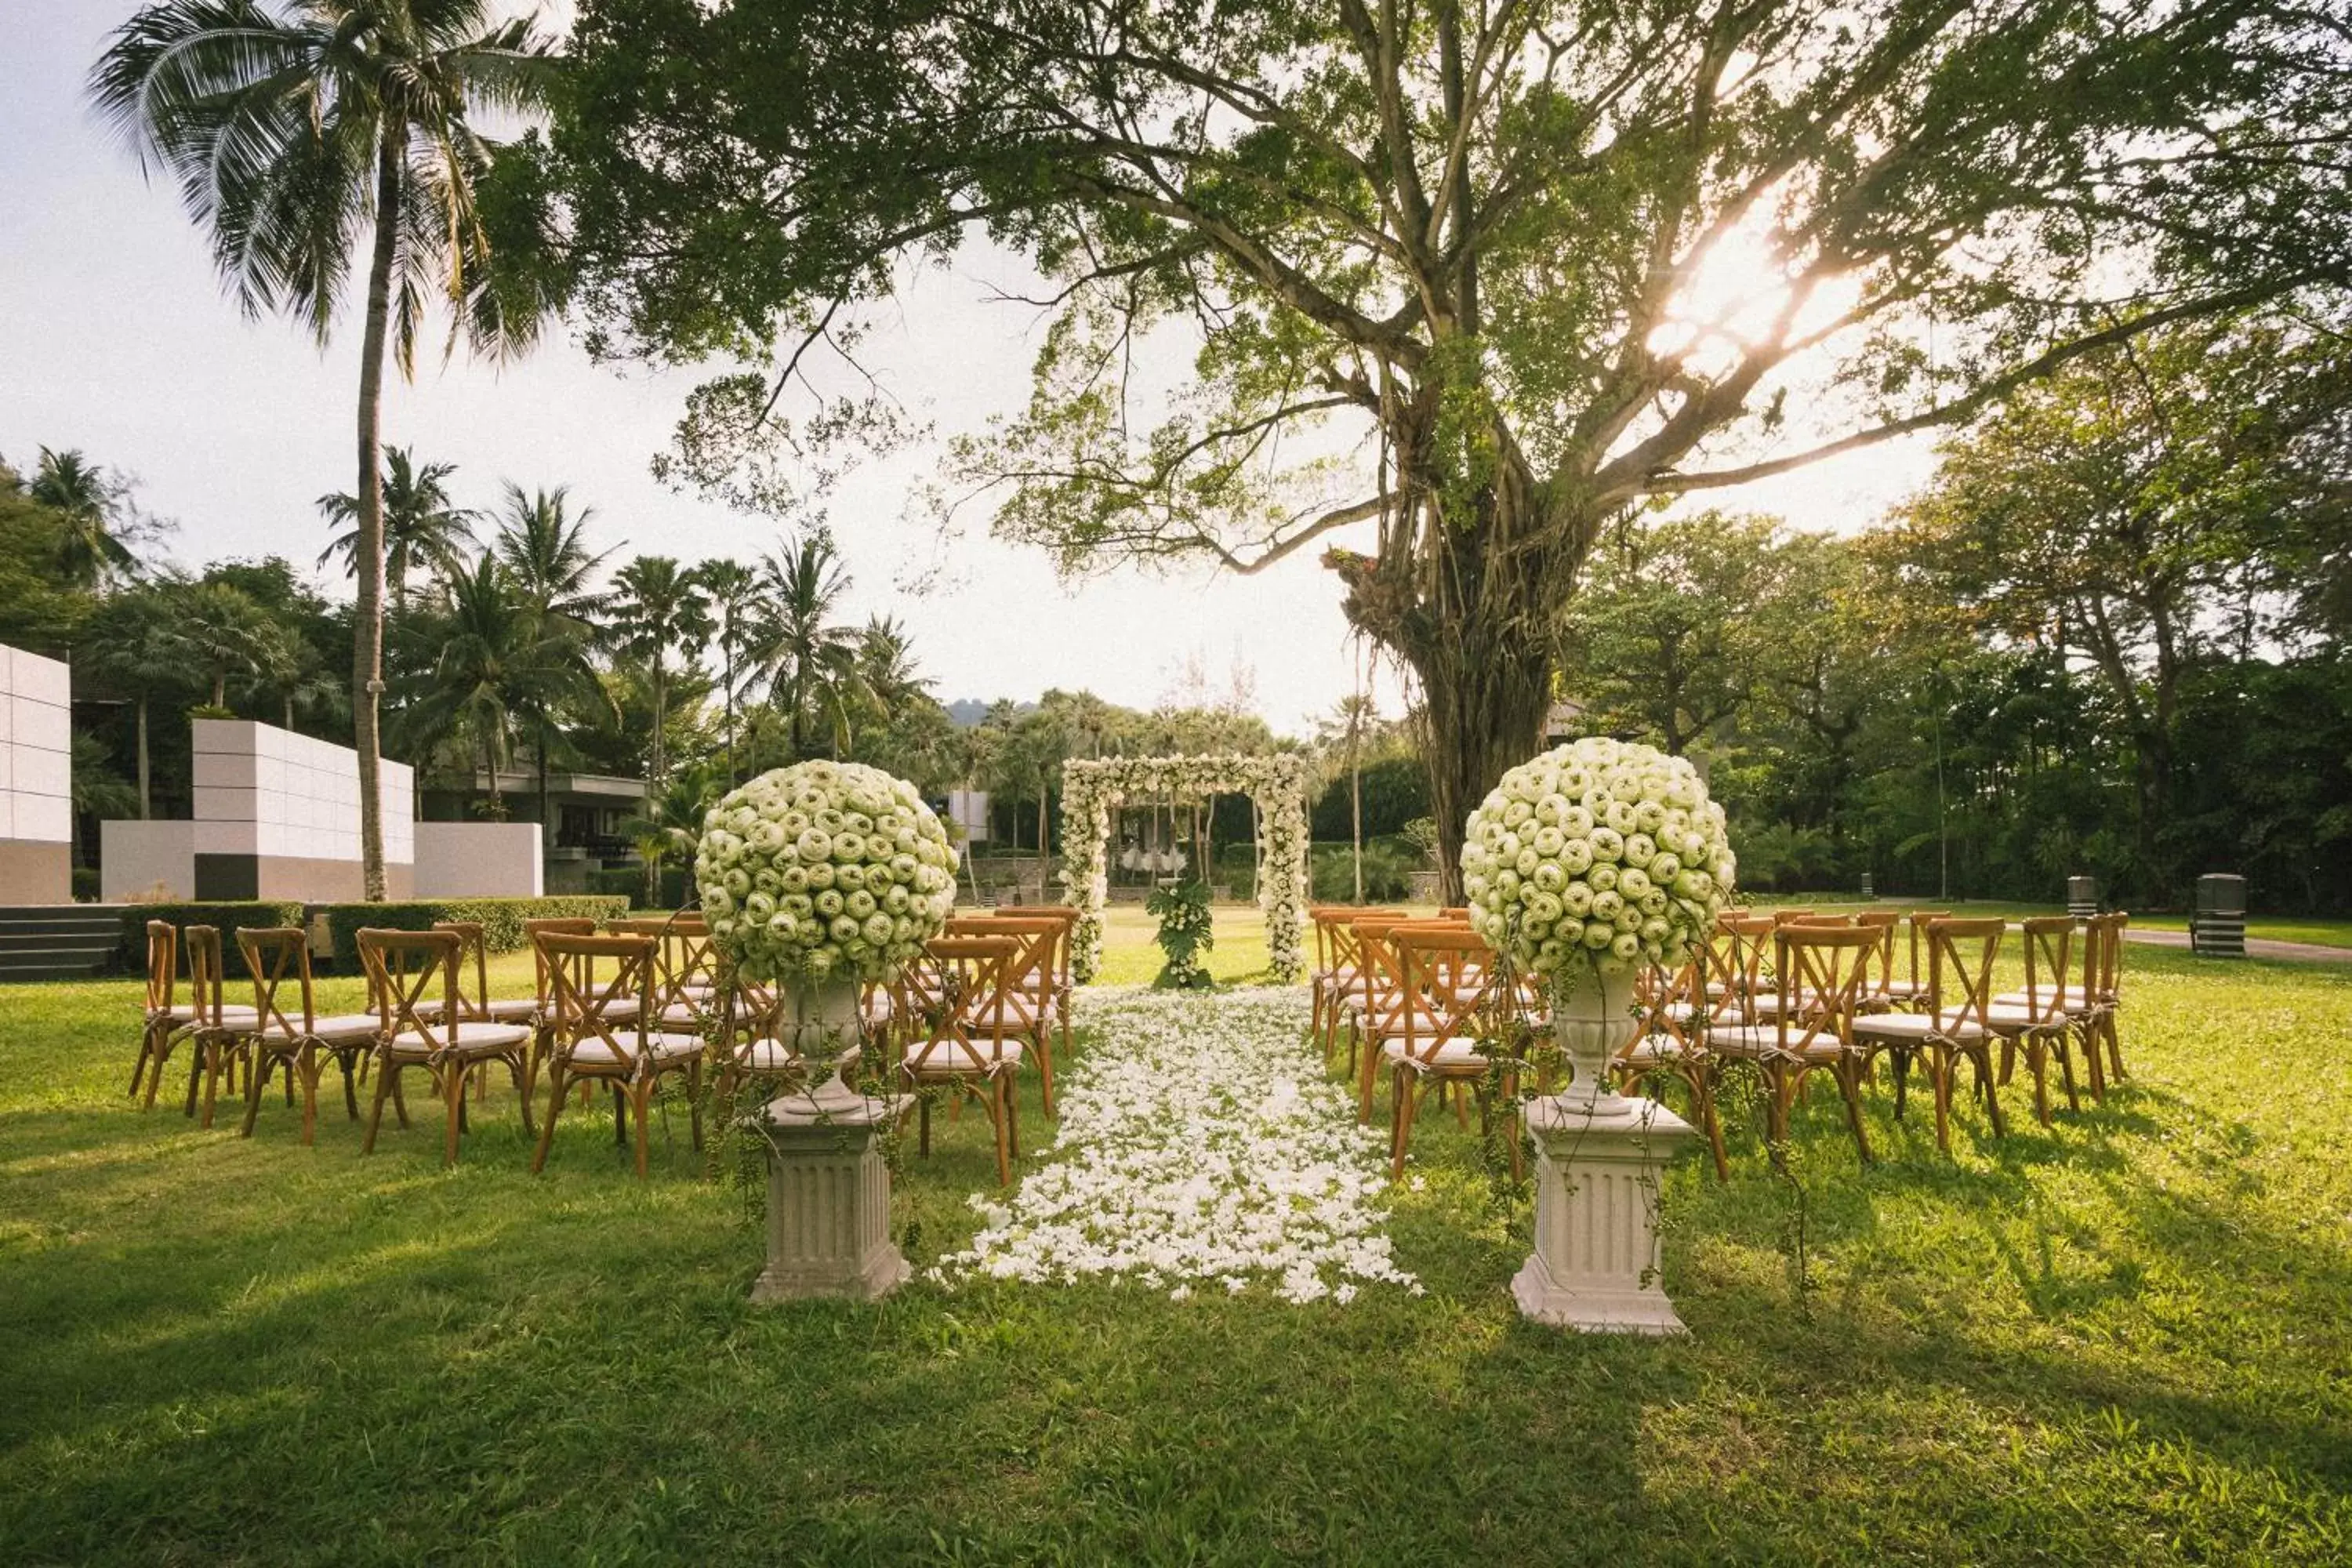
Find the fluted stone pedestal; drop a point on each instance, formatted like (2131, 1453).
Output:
(1595, 1265)
(829, 1199)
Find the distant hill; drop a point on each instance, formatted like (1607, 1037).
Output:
(967, 712)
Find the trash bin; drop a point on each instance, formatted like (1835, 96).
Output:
(1868, 891)
(2081, 897)
(2217, 927)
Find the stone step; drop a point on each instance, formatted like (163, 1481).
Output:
(59, 941)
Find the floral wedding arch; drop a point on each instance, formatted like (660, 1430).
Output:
(1093, 787)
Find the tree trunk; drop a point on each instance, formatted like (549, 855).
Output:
(660, 715)
(1356, 799)
(546, 809)
(1486, 717)
(146, 794)
(367, 630)
(220, 688)
(1045, 855)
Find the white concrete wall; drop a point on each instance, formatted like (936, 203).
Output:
(36, 748)
(261, 790)
(478, 860)
(136, 857)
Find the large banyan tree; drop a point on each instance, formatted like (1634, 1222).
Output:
(1467, 278)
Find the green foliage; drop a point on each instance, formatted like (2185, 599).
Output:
(1388, 866)
(502, 918)
(1185, 935)
(1396, 791)
(228, 917)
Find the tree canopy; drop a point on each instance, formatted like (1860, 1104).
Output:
(1486, 273)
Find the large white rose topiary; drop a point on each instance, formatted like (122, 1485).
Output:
(824, 871)
(1599, 852)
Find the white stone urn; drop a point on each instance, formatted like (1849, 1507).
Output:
(828, 1181)
(1598, 1160)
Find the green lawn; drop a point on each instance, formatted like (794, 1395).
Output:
(2128, 1341)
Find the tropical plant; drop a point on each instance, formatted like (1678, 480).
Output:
(809, 662)
(733, 590)
(423, 531)
(296, 139)
(490, 656)
(1187, 931)
(543, 546)
(670, 826)
(656, 607)
(94, 505)
(133, 651)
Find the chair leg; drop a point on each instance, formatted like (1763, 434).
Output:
(385, 1082)
(519, 1072)
(1045, 1066)
(1365, 1088)
(313, 1068)
(1011, 1115)
(1402, 1102)
(1848, 1074)
(640, 1097)
(1939, 1069)
(2058, 1043)
(2087, 1034)
(556, 1088)
(1983, 1059)
(453, 1104)
(2037, 1062)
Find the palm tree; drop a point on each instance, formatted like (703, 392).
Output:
(658, 606)
(733, 590)
(485, 661)
(809, 662)
(130, 646)
(223, 633)
(422, 528)
(543, 548)
(93, 503)
(886, 662)
(670, 826)
(292, 136)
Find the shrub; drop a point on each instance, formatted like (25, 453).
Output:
(501, 917)
(231, 917)
(1185, 933)
(1389, 865)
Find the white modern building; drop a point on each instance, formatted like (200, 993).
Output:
(36, 779)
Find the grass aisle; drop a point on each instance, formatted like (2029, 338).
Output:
(1199, 1143)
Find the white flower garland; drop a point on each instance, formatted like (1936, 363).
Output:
(1092, 786)
(1200, 1144)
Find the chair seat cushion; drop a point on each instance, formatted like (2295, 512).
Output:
(230, 1017)
(471, 1039)
(2016, 1015)
(1454, 1051)
(1902, 1029)
(2071, 999)
(1752, 1042)
(662, 1047)
(1651, 1049)
(950, 1060)
(344, 1027)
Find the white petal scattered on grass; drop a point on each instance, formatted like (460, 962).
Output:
(1199, 1142)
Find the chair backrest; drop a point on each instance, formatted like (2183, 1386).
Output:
(163, 965)
(958, 995)
(1881, 960)
(275, 954)
(2111, 965)
(552, 925)
(2048, 953)
(590, 979)
(1447, 985)
(1454, 912)
(1065, 913)
(683, 959)
(1379, 970)
(1918, 923)
(204, 948)
(1673, 1002)
(1790, 917)
(1041, 939)
(473, 966)
(1739, 960)
(402, 966)
(1961, 958)
(1821, 970)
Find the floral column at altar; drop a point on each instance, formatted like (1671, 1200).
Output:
(1093, 787)
(820, 878)
(1583, 867)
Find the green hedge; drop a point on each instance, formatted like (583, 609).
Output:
(230, 917)
(501, 917)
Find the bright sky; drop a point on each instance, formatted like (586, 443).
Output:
(115, 338)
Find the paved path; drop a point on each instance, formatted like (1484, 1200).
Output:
(2256, 947)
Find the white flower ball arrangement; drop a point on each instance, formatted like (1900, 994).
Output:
(1599, 852)
(824, 871)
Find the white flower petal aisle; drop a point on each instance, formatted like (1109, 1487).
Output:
(1199, 1145)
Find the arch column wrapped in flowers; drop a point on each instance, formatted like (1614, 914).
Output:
(1093, 787)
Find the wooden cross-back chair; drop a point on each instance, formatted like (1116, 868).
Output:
(608, 1030)
(956, 1000)
(1952, 1024)
(1915, 971)
(1881, 989)
(751, 1041)
(1068, 915)
(414, 976)
(1445, 1021)
(2036, 1022)
(212, 1024)
(1678, 1006)
(1819, 974)
(159, 1024)
(1374, 1008)
(474, 998)
(2108, 997)
(1339, 980)
(296, 1039)
(541, 989)
(1029, 1009)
